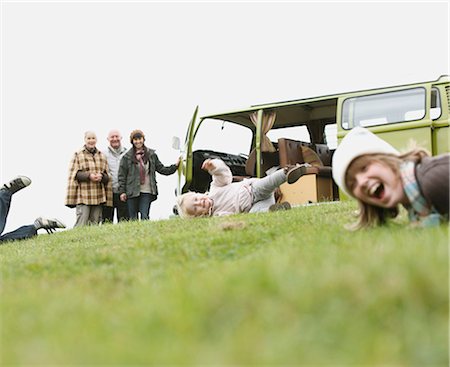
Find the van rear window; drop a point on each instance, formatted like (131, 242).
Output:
(384, 108)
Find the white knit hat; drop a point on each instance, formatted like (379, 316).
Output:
(358, 141)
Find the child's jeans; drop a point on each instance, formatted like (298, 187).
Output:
(20, 233)
(263, 188)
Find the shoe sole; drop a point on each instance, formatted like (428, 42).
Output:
(24, 181)
(294, 175)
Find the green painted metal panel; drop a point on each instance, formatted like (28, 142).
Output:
(188, 149)
(258, 143)
(442, 140)
(405, 140)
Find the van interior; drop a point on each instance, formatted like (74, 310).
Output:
(312, 117)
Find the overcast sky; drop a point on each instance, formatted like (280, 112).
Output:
(68, 67)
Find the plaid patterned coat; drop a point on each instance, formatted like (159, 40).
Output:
(88, 193)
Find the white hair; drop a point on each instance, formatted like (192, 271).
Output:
(88, 133)
(182, 212)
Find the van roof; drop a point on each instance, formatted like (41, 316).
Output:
(301, 111)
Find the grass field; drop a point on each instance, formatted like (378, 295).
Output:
(283, 288)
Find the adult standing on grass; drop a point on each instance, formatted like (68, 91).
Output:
(89, 186)
(137, 176)
(113, 154)
(27, 231)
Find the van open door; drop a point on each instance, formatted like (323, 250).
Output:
(188, 159)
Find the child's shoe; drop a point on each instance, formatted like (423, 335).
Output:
(279, 206)
(17, 184)
(296, 172)
(48, 224)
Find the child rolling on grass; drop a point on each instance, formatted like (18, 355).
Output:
(381, 179)
(225, 197)
(26, 231)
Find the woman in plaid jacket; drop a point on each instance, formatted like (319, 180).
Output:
(89, 186)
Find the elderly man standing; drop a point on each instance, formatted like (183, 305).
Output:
(113, 154)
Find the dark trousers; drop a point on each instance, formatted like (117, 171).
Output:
(140, 204)
(120, 207)
(21, 232)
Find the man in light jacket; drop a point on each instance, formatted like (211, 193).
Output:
(113, 154)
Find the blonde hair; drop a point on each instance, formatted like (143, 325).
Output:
(181, 205)
(371, 215)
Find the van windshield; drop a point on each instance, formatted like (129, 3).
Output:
(223, 136)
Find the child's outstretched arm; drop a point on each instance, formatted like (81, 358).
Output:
(220, 172)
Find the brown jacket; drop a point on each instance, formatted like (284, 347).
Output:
(88, 192)
(432, 174)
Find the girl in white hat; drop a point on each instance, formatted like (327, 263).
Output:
(380, 178)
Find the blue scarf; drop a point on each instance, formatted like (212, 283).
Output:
(419, 210)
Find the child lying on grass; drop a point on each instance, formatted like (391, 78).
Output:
(381, 179)
(227, 197)
(26, 231)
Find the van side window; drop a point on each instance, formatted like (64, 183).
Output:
(294, 132)
(331, 136)
(384, 108)
(435, 108)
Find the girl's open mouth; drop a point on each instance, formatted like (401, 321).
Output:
(377, 190)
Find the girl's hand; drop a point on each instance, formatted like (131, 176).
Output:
(208, 165)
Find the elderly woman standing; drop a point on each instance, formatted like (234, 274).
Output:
(137, 176)
(89, 187)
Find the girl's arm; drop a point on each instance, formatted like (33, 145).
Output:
(219, 171)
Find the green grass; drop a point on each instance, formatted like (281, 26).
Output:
(283, 288)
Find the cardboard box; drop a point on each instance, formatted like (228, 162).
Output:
(308, 189)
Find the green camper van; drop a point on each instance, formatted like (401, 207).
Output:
(252, 141)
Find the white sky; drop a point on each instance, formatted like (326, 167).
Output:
(68, 67)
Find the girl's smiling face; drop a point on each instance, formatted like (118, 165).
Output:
(376, 183)
(198, 205)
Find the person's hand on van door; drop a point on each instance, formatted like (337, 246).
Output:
(208, 165)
